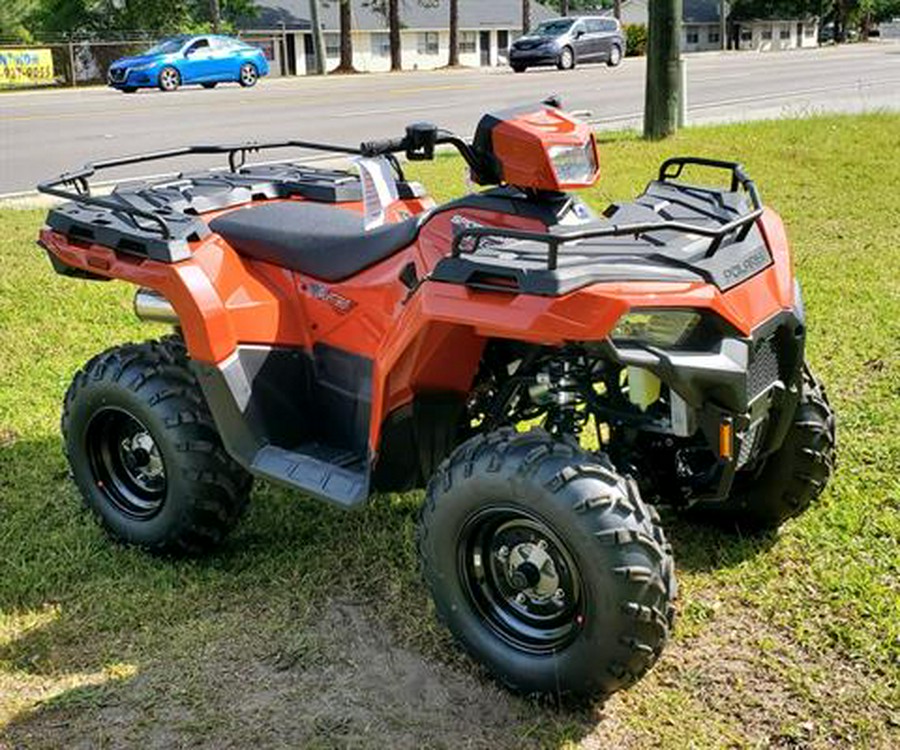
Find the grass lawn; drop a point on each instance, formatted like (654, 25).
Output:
(311, 628)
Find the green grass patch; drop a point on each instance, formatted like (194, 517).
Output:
(791, 640)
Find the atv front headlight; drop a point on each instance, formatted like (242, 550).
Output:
(656, 327)
(574, 163)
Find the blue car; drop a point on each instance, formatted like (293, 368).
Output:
(205, 60)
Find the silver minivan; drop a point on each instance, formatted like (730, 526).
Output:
(564, 42)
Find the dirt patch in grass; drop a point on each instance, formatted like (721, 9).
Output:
(341, 683)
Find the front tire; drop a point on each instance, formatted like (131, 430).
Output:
(566, 59)
(519, 68)
(788, 481)
(145, 454)
(546, 565)
(169, 79)
(248, 75)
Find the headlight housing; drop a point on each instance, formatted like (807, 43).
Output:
(665, 328)
(141, 68)
(574, 164)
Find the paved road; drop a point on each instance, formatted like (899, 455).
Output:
(43, 133)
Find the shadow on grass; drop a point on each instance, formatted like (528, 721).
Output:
(310, 626)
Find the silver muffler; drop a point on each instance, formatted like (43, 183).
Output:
(152, 307)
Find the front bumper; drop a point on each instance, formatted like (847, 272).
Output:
(538, 56)
(751, 384)
(130, 78)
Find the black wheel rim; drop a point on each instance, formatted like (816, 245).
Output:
(126, 463)
(518, 574)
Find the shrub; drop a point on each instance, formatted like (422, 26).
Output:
(635, 39)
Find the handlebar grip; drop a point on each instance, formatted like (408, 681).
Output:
(384, 146)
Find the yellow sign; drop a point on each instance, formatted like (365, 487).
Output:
(26, 67)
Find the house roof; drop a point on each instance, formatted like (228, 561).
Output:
(473, 14)
(694, 11)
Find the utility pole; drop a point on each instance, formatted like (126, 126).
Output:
(662, 94)
(563, 7)
(318, 38)
(617, 9)
(215, 15)
(526, 16)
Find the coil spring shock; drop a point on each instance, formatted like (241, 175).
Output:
(563, 398)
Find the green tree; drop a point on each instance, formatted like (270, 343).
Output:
(14, 15)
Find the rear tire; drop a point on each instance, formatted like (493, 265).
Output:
(508, 499)
(789, 480)
(169, 79)
(615, 56)
(566, 59)
(145, 454)
(519, 68)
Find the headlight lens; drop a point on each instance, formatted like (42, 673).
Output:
(656, 327)
(574, 163)
(140, 68)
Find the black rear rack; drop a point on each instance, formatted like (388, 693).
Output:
(75, 186)
(467, 240)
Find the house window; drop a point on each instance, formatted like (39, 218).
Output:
(381, 44)
(332, 45)
(809, 30)
(714, 37)
(693, 37)
(746, 35)
(428, 43)
(766, 33)
(468, 42)
(784, 34)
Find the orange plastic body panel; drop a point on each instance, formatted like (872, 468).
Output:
(430, 339)
(522, 145)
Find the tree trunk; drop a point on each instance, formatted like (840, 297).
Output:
(526, 16)
(319, 65)
(345, 17)
(215, 15)
(617, 9)
(663, 89)
(454, 34)
(723, 23)
(394, 29)
(563, 7)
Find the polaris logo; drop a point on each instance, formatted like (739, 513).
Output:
(747, 266)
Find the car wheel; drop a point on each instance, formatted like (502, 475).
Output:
(210, 85)
(519, 68)
(249, 75)
(615, 56)
(169, 79)
(566, 59)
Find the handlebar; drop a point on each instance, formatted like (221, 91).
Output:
(383, 146)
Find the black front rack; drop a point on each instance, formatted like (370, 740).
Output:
(467, 240)
(75, 186)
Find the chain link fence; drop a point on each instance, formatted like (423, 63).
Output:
(86, 62)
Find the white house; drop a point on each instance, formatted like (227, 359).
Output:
(486, 29)
(765, 35)
(702, 28)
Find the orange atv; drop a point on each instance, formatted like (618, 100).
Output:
(666, 333)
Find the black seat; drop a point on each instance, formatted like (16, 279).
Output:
(322, 241)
